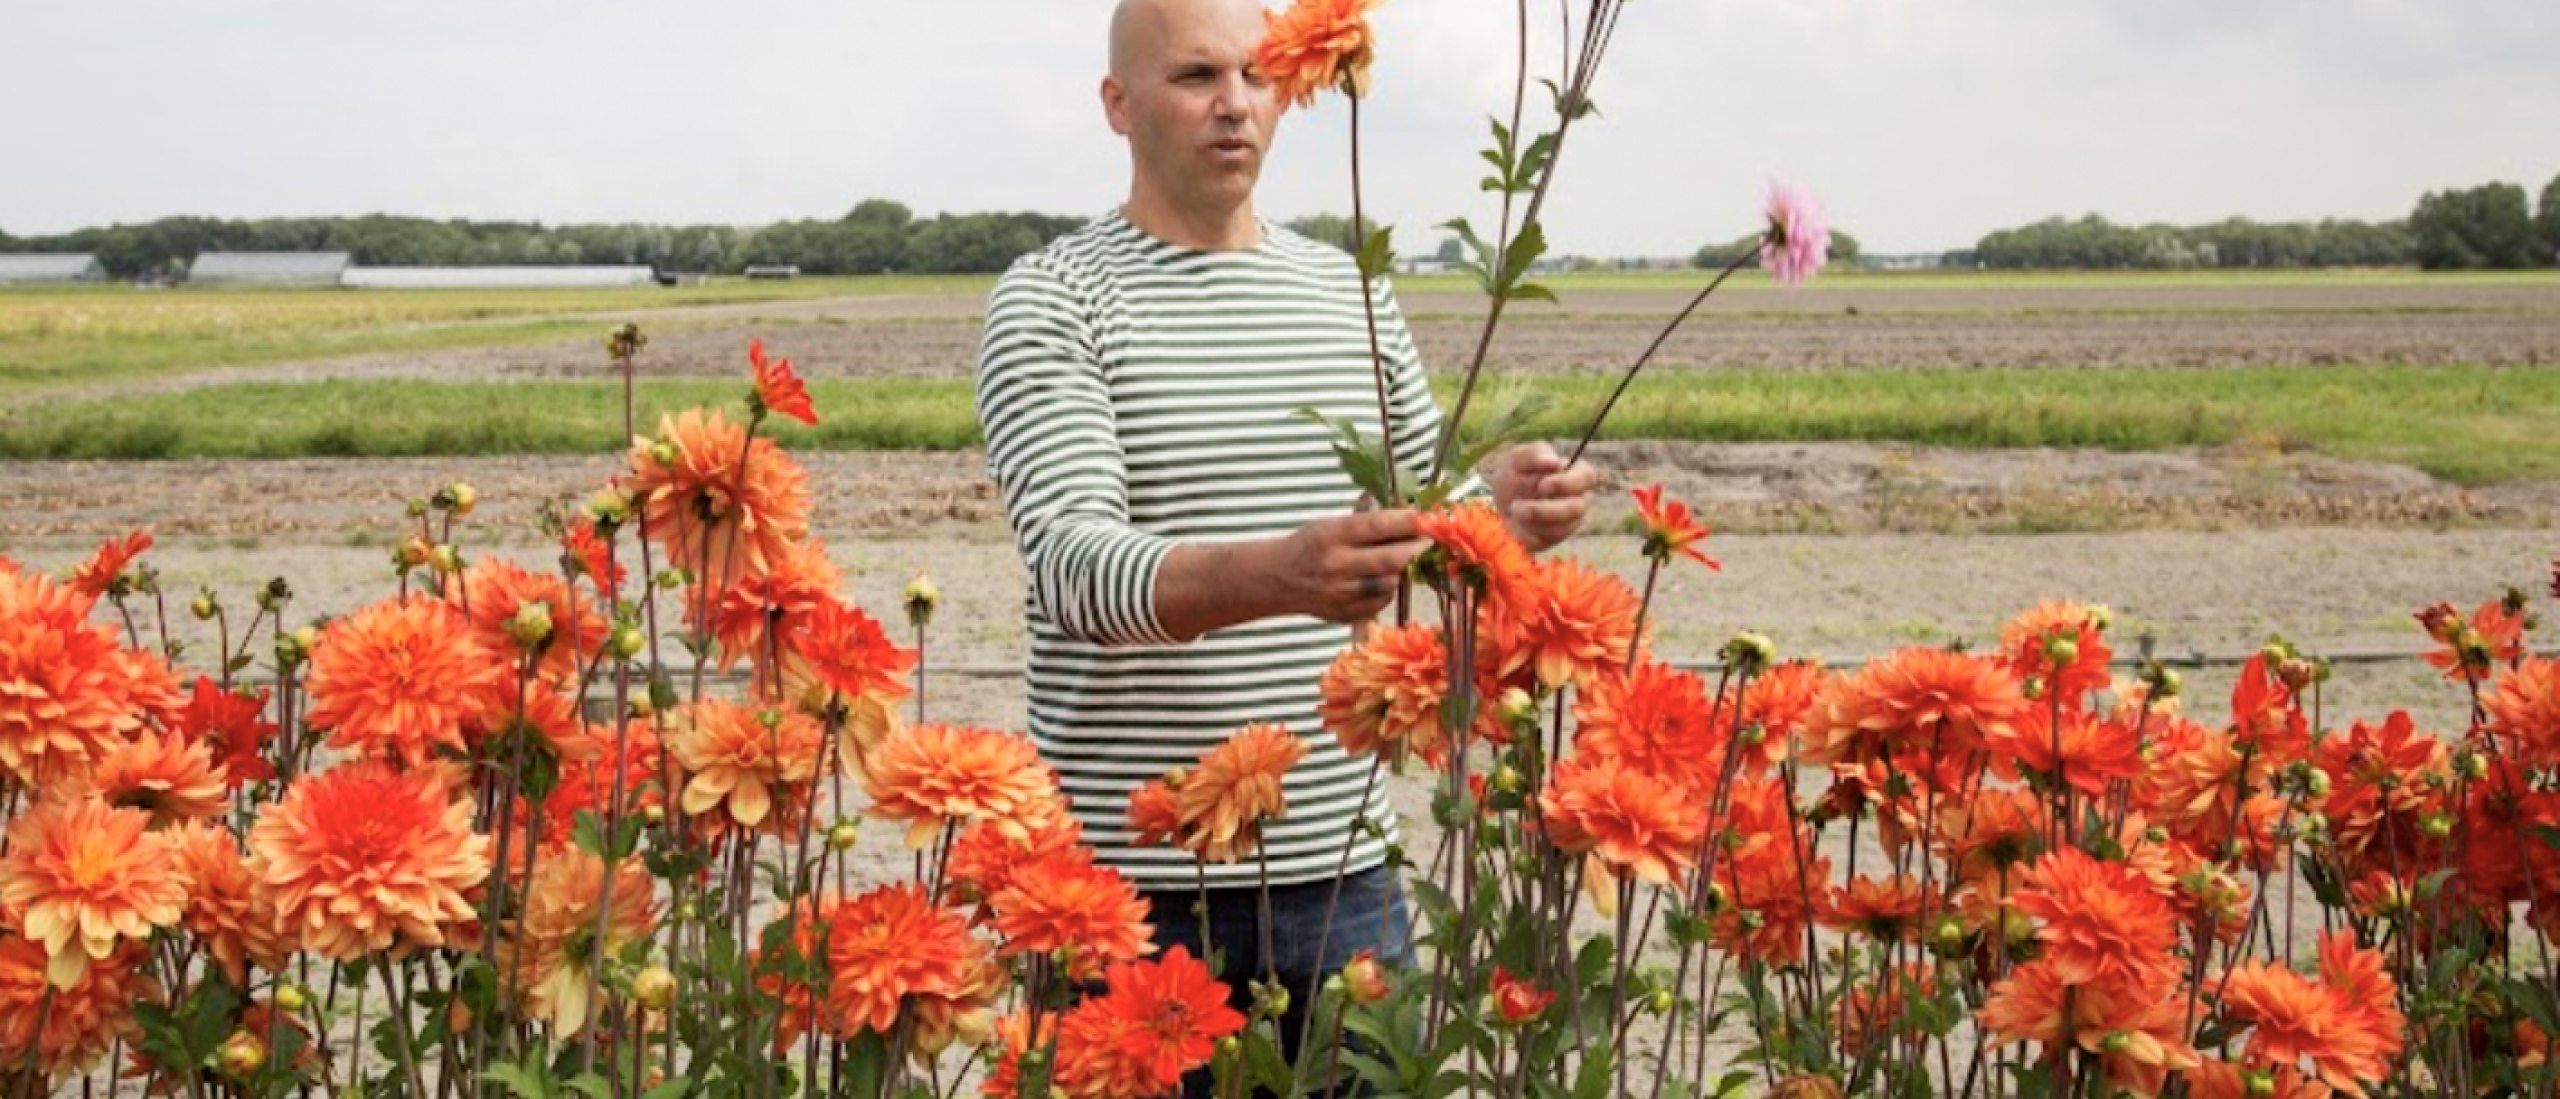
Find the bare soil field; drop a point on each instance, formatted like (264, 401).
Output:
(1867, 327)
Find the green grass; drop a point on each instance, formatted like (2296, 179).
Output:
(1944, 279)
(2469, 425)
(52, 339)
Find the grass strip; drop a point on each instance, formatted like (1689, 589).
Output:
(2472, 425)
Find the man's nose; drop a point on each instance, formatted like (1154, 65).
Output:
(1234, 98)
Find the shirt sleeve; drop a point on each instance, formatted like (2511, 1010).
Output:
(1053, 447)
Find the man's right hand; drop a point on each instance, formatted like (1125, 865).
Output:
(1341, 569)
(1346, 569)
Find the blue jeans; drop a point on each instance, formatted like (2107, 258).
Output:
(1371, 915)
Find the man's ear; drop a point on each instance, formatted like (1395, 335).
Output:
(1115, 105)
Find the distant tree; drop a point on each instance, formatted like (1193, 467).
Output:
(885, 213)
(1452, 250)
(2488, 226)
(969, 243)
(1713, 257)
(2546, 222)
(1333, 229)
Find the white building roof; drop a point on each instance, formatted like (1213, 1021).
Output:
(70, 267)
(493, 278)
(322, 268)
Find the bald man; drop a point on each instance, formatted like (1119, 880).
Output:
(1194, 554)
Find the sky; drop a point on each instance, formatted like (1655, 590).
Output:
(1921, 124)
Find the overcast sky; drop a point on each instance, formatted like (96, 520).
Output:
(1922, 123)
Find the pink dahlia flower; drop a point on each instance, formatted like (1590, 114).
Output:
(1798, 239)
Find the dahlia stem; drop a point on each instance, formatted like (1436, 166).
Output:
(1324, 936)
(1593, 431)
(399, 1027)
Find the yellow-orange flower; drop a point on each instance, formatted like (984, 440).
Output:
(227, 910)
(1623, 818)
(1316, 45)
(103, 568)
(985, 859)
(400, 679)
(82, 1021)
(884, 946)
(1886, 910)
(697, 506)
(1236, 787)
(2335, 1024)
(63, 703)
(1069, 903)
(1566, 622)
(2033, 640)
(1155, 814)
(1384, 694)
(1914, 701)
(546, 962)
(938, 775)
(363, 859)
(85, 876)
(744, 761)
(162, 774)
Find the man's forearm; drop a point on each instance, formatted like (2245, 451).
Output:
(1202, 587)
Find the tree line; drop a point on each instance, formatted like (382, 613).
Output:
(878, 236)
(2490, 226)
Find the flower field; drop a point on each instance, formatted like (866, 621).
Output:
(587, 816)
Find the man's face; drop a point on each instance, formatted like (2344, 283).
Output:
(1184, 92)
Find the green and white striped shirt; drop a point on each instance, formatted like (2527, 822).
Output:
(1136, 394)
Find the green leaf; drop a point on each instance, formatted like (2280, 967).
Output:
(1264, 1068)
(519, 1081)
(592, 1085)
(1596, 1075)
(1525, 249)
(672, 1089)
(1378, 254)
(588, 833)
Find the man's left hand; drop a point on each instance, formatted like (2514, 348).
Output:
(1540, 499)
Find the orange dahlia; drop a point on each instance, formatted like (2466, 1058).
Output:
(2101, 919)
(1517, 1001)
(936, 775)
(2061, 644)
(1236, 787)
(884, 946)
(166, 775)
(985, 859)
(966, 1012)
(758, 612)
(1568, 622)
(235, 725)
(1778, 702)
(590, 551)
(778, 389)
(228, 911)
(64, 701)
(2525, 711)
(2087, 752)
(2136, 1029)
(1767, 920)
(697, 507)
(1670, 529)
(2292, 1019)
(84, 875)
(365, 859)
(744, 761)
(1886, 911)
(1317, 45)
(1914, 701)
(849, 651)
(81, 1021)
(1384, 694)
(546, 960)
(2492, 635)
(1654, 722)
(400, 679)
(1155, 814)
(1473, 548)
(101, 571)
(494, 593)
(1159, 1019)
(1623, 818)
(2384, 783)
(1070, 904)
(1992, 833)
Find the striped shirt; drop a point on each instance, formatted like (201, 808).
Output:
(1136, 394)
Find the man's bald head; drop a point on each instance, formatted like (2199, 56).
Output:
(1139, 27)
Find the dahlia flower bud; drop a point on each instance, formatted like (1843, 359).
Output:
(531, 624)
(291, 998)
(922, 597)
(445, 559)
(1364, 979)
(627, 642)
(654, 988)
(625, 341)
(411, 553)
(204, 606)
(458, 498)
(609, 507)
(844, 835)
(275, 595)
(241, 1055)
(1750, 653)
(2061, 652)
(664, 452)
